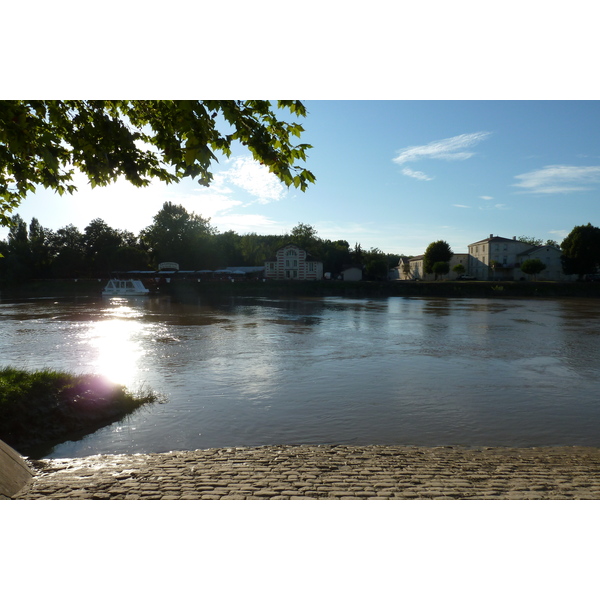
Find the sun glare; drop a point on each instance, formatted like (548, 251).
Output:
(114, 338)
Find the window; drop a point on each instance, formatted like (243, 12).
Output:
(291, 253)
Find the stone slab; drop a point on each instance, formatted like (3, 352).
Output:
(15, 473)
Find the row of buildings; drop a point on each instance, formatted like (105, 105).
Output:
(494, 258)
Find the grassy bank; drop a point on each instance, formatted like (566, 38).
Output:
(40, 409)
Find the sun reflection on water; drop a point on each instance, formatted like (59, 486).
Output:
(117, 342)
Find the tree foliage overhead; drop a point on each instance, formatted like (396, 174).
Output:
(581, 250)
(439, 251)
(43, 142)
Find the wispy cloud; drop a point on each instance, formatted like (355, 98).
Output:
(487, 197)
(243, 182)
(447, 149)
(416, 174)
(461, 206)
(558, 179)
(494, 207)
(560, 233)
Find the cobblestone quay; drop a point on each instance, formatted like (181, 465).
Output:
(324, 473)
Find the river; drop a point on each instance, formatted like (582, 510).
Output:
(246, 371)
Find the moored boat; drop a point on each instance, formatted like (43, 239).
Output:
(125, 287)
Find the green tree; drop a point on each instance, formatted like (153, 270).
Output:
(375, 264)
(532, 266)
(459, 269)
(305, 236)
(440, 268)
(439, 251)
(228, 249)
(41, 249)
(68, 251)
(43, 142)
(581, 250)
(357, 254)
(17, 256)
(101, 243)
(530, 240)
(182, 237)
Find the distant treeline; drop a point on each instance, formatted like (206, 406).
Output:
(175, 235)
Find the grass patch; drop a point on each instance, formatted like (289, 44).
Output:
(40, 409)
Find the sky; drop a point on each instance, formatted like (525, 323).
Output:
(390, 174)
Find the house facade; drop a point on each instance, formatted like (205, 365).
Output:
(550, 256)
(292, 262)
(351, 274)
(495, 257)
(500, 258)
(415, 268)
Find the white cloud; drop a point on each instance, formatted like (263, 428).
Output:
(461, 206)
(446, 149)
(416, 174)
(558, 179)
(486, 197)
(254, 178)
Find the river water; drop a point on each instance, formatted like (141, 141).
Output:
(241, 371)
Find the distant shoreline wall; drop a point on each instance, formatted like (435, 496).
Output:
(450, 289)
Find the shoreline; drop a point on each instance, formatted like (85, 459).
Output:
(333, 472)
(183, 289)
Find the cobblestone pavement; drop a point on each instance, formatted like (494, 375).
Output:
(324, 472)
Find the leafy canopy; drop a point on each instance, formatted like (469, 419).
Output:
(439, 251)
(532, 266)
(581, 250)
(43, 142)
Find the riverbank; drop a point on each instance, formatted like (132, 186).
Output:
(41, 409)
(324, 473)
(183, 289)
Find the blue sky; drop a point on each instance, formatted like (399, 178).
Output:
(395, 175)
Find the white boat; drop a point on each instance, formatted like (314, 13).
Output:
(125, 287)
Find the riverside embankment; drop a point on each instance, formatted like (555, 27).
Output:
(324, 473)
(182, 288)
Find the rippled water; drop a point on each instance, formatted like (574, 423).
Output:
(253, 371)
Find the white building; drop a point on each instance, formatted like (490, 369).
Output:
(292, 262)
(499, 258)
(415, 268)
(351, 274)
(550, 256)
